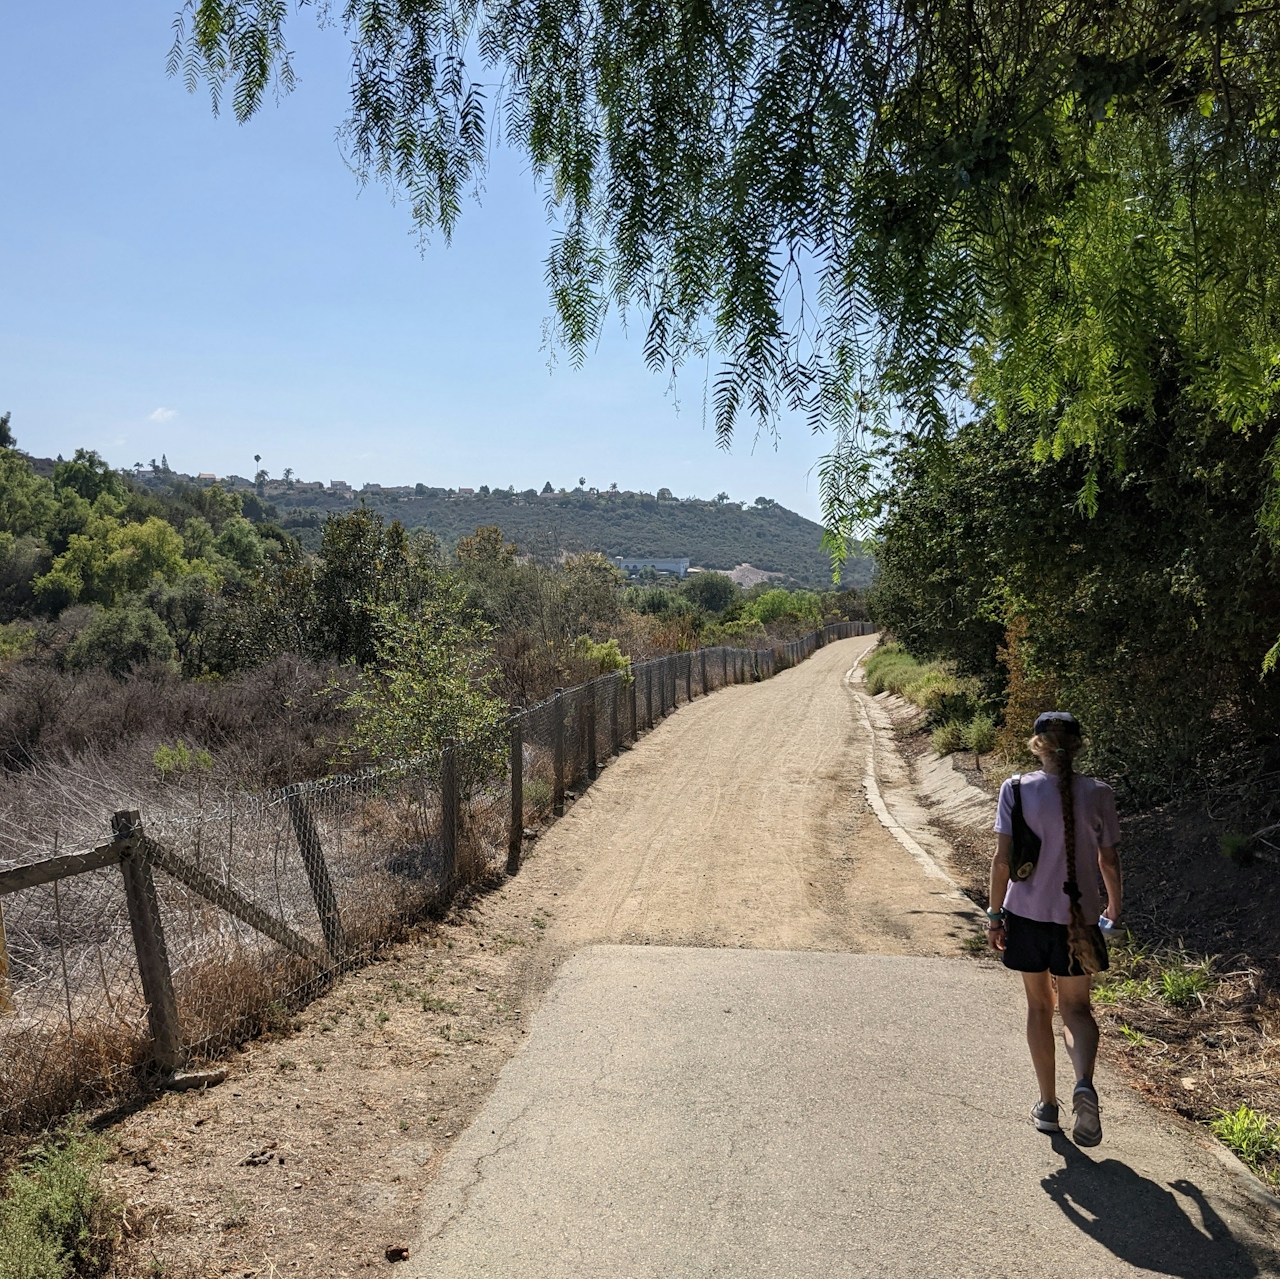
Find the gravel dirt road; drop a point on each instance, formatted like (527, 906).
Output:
(740, 821)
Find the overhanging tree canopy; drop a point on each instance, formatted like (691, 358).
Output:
(1039, 208)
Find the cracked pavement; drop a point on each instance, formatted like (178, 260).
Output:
(696, 1112)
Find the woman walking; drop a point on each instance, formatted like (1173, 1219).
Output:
(1042, 916)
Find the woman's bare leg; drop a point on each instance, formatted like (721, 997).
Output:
(1040, 1032)
(1079, 1030)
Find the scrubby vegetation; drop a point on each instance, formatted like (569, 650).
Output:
(55, 1219)
(958, 717)
(178, 637)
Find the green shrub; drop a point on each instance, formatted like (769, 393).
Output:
(1181, 984)
(932, 689)
(890, 669)
(980, 735)
(948, 737)
(180, 759)
(1254, 1137)
(604, 657)
(55, 1221)
(122, 639)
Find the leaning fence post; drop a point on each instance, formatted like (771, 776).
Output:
(148, 942)
(515, 833)
(557, 753)
(313, 862)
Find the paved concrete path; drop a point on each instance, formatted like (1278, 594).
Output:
(691, 1112)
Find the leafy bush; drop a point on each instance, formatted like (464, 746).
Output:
(1254, 1137)
(121, 640)
(890, 668)
(604, 657)
(427, 684)
(55, 1220)
(980, 735)
(932, 689)
(179, 759)
(1180, 984)
(948, 737)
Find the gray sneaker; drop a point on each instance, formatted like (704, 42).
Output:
(1044, 1114)
(1088, 1126)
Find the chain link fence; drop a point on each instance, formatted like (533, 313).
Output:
(197, 926)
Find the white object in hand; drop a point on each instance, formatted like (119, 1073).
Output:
(1107, 926)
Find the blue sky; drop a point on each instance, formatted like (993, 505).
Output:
(171, 282)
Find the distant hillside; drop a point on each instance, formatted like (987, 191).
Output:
(713, 535)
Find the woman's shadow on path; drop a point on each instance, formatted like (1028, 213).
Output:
(1145, 1224)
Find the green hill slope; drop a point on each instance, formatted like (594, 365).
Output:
(712, 535)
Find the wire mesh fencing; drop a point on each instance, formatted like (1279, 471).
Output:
(196, 925)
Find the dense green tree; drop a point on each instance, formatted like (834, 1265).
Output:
(1039, 206)
(88, 476)
(712, 592)
(1150, 618)
(366, 564)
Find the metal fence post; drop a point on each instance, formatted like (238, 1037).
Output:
(589, 727)
(148, 943)
(313, 862)
(557, 753)
(449, 813)
(515, 833)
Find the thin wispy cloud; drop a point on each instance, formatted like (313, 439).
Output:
(162, 415)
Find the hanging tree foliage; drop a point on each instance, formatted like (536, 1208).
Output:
(1042, 209)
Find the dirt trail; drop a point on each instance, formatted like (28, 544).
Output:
(740, 821)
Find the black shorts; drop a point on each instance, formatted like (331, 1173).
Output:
(1031, 946)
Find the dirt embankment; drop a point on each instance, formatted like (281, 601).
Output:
(740, 821)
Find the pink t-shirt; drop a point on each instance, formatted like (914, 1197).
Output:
(1041, 895)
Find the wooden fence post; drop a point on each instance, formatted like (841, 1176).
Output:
(6, 991)
(313, 862)
(615, 715)
(557, 753)
(515, 833)
(633, 697)
(702, 653)
(449, 812)
(648, 694)
(589, 727)
(688, 677)
(148, 943)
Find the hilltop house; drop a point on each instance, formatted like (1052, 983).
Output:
(630, 564)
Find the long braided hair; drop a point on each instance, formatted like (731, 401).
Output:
(1064, 742)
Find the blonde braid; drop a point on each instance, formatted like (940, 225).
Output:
(1080, 942)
